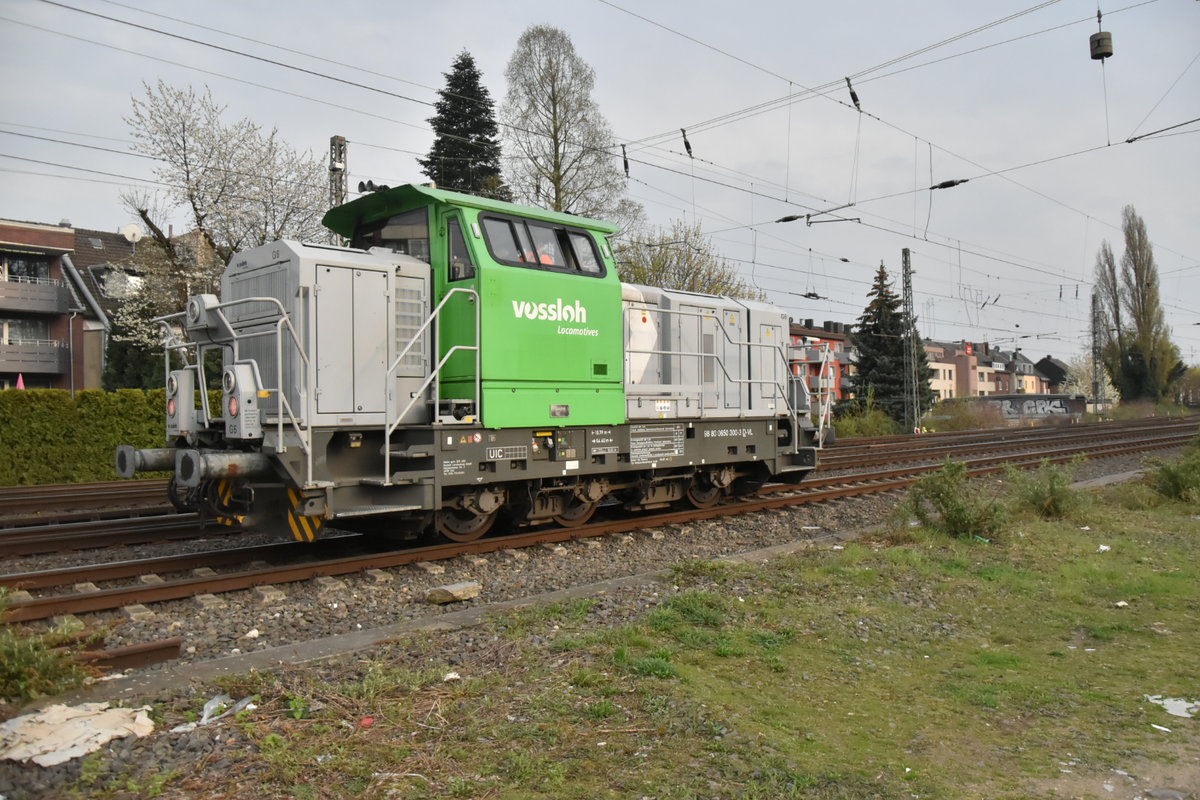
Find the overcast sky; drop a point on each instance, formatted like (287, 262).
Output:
(1001, 93)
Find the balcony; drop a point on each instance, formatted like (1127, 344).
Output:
(34, 296)
(34, 356)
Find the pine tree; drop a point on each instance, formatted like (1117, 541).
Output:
(880, 337)
(465, 156)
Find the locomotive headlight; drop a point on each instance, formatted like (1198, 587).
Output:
(171, 407)
(229, 382)
(195, 310)
(172, 386)
(233, 406)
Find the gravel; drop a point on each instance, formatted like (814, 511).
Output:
(242, 621)
(310, 611)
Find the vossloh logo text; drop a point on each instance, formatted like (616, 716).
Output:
(555, 311)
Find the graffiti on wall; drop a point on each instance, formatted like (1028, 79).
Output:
(1025, 407)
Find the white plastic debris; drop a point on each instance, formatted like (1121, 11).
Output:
(450, 677)
(215, 709)
(1121, 604)
(1160, 728)
(1086, 528)
(1176, 706)
(59, 733)
(1103, 548)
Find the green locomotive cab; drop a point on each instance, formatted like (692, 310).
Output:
(550, 313)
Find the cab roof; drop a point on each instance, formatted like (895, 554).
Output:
(344, 219)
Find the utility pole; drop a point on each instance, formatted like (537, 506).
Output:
(912, 394)
(338, 175)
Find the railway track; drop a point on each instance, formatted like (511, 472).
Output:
(195, 574)
(128, 514)
(61, 503)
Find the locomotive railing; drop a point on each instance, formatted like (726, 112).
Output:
(778, 389)
(433, 378)
(232, 338)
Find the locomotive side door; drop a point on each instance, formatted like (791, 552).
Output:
(455, 267)
(351, 339)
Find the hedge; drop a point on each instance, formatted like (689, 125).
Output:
(46, 436)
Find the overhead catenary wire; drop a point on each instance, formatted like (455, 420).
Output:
(762, 194)
(52, 2)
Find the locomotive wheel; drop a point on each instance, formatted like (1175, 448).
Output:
(578, 512)
(459, 525)
(703, 494)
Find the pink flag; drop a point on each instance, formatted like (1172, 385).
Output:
(20, 380)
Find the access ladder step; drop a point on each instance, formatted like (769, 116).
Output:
(363, 511)
(400, 479)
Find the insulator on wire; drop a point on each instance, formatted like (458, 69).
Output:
(1101, 43)
(686, 144)
(853, 94)
(625, 159)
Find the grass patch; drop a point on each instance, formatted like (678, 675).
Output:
(943, 667)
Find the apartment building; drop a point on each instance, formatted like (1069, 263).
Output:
(53, 323)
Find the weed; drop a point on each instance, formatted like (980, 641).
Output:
(297, 707)
(601, 709)
(1136, 496)
(35, 665)
(92, 768)
(869, 422)
(772, 640)
(945, 501)
(585, 678)
(699, 608)
(272, 743)
(653, 667)
(1046, 491)
(532, 770)
(1179, 480)
(382, 680)
(522, 621)
(727, 647)
(718, 572)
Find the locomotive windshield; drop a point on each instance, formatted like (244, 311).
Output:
(406, 233)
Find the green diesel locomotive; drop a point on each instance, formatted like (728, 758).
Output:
(462, 360)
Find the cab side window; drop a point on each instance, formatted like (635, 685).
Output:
(406, 233)
(461, 267)
(541, 245)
